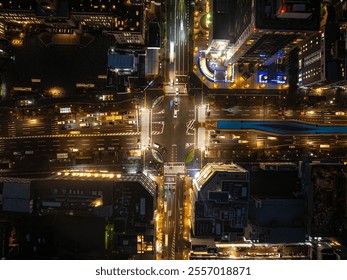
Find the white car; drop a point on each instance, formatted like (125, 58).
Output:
(229, 110)
(175, 114)
(177, 90)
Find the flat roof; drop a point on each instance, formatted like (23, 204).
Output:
(231, 18)
(211, 168)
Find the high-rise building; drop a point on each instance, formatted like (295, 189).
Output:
(221, 194)
(325, 188)
(250, 40)
(322, 56)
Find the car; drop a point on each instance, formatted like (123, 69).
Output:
(176, 101)
(216, 141)
(229, 110)
(175, 114)
(156, 145)
(214, 132)
(64, 127)
(177, 90)
(84, 124)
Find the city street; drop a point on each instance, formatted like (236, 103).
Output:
(168, 129)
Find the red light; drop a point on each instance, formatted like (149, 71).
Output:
(254, 29)
(283, 11)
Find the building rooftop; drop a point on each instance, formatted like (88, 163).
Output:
(229, 22)
(68, 175)
(118, 14)
(274, 183)
(128, 18)
(93, 6)
(211, 168)
(277, 212)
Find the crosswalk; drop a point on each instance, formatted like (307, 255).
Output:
(55, 134)
(173, 246)
(129, 133)
(190, 127)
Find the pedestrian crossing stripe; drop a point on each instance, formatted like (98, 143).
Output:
(69, 135)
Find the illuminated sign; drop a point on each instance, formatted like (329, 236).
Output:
(62, 31)
(281, 79)
(65, 110)
(263, 78)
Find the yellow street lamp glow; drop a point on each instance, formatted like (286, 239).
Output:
(17, 42)
(97, 202)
